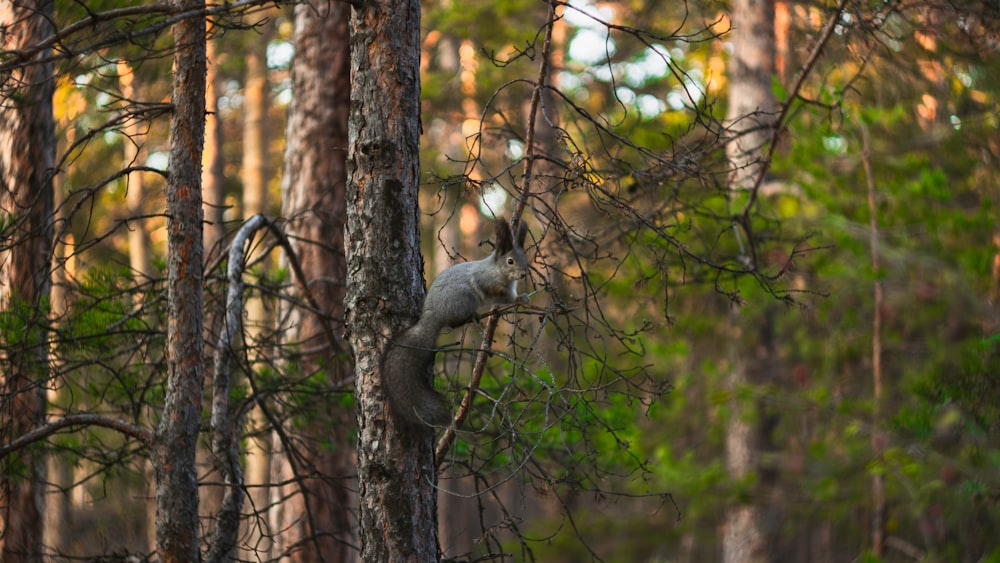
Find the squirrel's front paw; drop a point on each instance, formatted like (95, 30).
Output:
(521, 299)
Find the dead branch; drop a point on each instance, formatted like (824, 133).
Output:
(38, 434)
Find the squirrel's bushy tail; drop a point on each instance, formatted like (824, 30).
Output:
(409, 383)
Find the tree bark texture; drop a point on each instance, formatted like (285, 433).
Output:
(315, 514)
(397, 478)
(177, 435)
(750, 118)
(27, 155)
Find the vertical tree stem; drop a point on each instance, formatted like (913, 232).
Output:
(878, 479)
(177, 435)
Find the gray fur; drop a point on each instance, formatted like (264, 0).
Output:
(455, 298)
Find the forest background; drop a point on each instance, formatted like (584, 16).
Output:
(764, 253)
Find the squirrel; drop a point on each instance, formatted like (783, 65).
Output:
(454, 299)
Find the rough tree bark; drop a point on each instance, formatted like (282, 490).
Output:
(315, 514)
(176, 441)
(396, 473)
(27, 154)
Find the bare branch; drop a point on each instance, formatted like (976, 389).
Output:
(536, 98)
(463, 410)
(42, 432)
(57, 47)
(225, 435)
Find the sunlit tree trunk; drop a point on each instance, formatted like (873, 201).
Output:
(315, 513)
(396, 472)
(58, 508)
(27, 154)
(138, 236)
(214, 201)
(255, 137)
(254, 172)
(212, 173)
(176, 439)
(749, 118)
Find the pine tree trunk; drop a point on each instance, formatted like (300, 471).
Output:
(750, 113)
(396, 473)
(213, 172)
(255, 175)
(318, 507)
(27, 154)
(177, 436)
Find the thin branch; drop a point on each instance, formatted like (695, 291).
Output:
(57, 49)
(536, 98)
(129, 429)
(466, 405)
(336, 343)
(491, 325)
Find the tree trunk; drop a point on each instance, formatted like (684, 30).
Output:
(255, 105)
(138, 235)
(396, 473)
(177, 436)
(27, 155)
(257, 319)
(878, 439)
(750, 117)
(213, 173)
(315, 514)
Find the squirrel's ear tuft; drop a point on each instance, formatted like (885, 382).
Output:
(522, 231)
(505, 239)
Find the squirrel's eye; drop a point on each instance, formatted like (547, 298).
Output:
(510, 261)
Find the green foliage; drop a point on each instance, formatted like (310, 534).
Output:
(21, 323)
(102, 314)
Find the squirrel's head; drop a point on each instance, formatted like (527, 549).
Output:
(509, 252)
